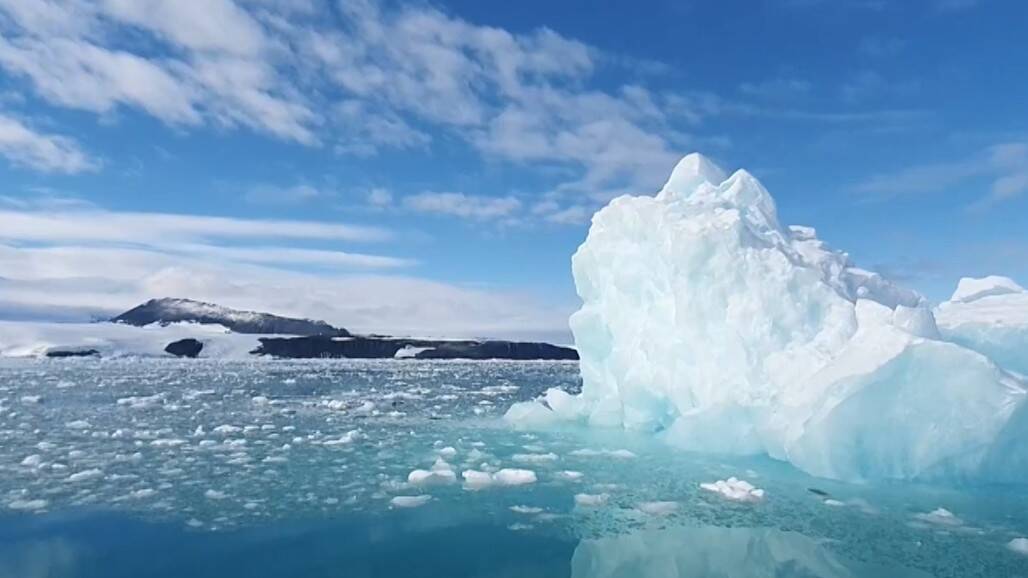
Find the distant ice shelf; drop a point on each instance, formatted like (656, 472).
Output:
(709, 323)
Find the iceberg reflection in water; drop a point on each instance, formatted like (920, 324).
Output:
(712, 552)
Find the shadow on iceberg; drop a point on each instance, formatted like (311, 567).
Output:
(710, 324)
(712, 552)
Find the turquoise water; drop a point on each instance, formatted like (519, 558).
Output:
(202, 468)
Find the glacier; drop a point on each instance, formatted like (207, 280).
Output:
(710, 324)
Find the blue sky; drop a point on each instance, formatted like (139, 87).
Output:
(431, 167)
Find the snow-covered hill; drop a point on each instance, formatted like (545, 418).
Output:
(172, 310)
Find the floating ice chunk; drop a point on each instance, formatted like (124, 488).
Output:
(27, 505)
(440, 474)
(477, 480)
(227, 429)
(971, 289)
(514, 477)
(569, 475)
(143, 493)
(77, 424)
(711, 325)
(410, 501)
(1019, 545)
(590, 453)
(33, 461)
(939, 516)
(834, 503)
(528, 510)
(85, 475)
(214, 495)
(345, 439)
(168, 442)
(658, 508)
(31, 399)
(591, 500)
(735, 489)
(535, 458)
(259, 400)
(449, 452)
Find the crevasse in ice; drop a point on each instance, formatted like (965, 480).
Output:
(706, 321)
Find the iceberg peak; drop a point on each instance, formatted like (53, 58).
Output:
(707, 323)
(690, 173)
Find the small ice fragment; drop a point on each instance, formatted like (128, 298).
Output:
(514, 477)
(448, 452)
(1019, 545)
(591, 500)
(834, 503)
(535, 458)
(77, 424)
(658, 508)
(31, 399)
(85, 475)
(940, 516)
(431, 477)
(476, 480)
(143, 493)
(214, 495)
(227, 429)
(569, 475)
(410, 501)
(33, 461)
(259, 400)
(735, 489)
(526, 510)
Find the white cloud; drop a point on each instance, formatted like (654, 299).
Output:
(1004, 166)
(462, 205)
(44, 152)
(380, 197)
(99, 226)
(277, 195)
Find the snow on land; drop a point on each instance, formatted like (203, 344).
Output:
(706, 320)
(735, 489)
(34, 339)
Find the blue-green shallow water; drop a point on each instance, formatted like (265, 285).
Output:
(201, 468)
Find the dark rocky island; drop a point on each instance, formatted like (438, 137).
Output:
(185, 347)
(292, 338)
(360, 347)
(63, 353)
(170, 310)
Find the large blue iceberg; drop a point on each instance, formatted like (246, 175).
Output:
(707, 322)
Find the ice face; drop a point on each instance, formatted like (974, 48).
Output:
(989, 315)
(708, 323)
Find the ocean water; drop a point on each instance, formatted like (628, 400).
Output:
(141, 467)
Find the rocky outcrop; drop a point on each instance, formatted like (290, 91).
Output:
(61, 353)
(390, 347)
(171, 310)
(185, 347)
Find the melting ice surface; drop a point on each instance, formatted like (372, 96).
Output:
(205, 468)
(708, 323)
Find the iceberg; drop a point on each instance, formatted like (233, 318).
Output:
(710, 324)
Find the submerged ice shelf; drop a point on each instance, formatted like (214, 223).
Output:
(710, 324)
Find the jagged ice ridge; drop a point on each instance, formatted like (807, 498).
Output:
(712, 325)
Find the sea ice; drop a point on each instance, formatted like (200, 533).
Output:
(735, 489)
(1019, 545)
(710, 324)
(591, 500)
(478, 480)
(410, 501)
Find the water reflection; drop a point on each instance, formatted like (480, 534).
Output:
(712, 552)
